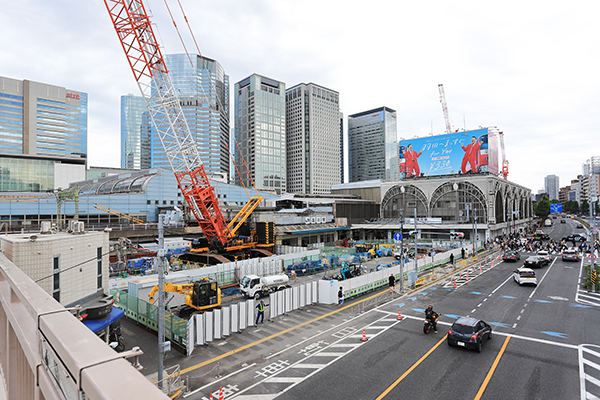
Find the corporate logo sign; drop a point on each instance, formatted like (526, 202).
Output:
(466, 152)
(73, 96)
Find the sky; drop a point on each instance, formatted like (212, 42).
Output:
(529, 68)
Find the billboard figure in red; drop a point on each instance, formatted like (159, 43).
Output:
(470, 156)
(411, 162)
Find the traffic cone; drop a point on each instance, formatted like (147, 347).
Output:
(480, 271)
(467, 274)
(454, 281)
(364, 338)
(210, 396)
(399, 316)
(221, 393)
(492, 263)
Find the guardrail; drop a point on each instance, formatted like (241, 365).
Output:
(46, 353)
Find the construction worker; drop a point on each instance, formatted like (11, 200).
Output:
(261, 311)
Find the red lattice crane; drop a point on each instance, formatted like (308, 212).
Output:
(141, 48)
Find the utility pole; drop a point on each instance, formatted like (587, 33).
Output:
(475, 220)
(161, 297)
(401, 253)
(468, 215)
(162, 266)
(593, 198)
(416, 253)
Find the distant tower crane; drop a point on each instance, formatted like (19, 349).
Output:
(445, 108)
(135, 32)
(504, 160)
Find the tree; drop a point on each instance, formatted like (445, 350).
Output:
(585, 207)
(571, 206)
(542, 207)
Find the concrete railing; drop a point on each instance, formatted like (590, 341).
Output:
(46, 353)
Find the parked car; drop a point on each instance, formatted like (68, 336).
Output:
(525, 276)
(570, 255)
(536, 261)
(510, 255)
(469, 332)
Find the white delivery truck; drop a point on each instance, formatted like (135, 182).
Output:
(253, 286)
(548, 222)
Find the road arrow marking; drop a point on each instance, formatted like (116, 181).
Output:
(556, 334)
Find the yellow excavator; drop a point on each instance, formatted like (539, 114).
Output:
(200, 295)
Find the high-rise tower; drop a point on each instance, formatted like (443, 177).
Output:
(203, 91)
(260, 152)
(373, 145)
(313, 139)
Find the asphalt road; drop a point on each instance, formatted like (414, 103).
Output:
(544, 343)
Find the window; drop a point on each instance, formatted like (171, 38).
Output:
(56, 278)
(99, 263)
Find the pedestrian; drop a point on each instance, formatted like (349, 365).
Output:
(341, 297)
(261, 311)
(462, 253)
(392, 282)
(452, 259)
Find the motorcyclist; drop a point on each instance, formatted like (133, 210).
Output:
(432, 317)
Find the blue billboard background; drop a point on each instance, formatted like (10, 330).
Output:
(454, 153)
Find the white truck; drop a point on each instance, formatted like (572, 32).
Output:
(253, 286)
(548, 222)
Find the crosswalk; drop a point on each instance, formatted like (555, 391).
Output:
(466, 275)
(586, 297)
(589, 371)
(284, 375)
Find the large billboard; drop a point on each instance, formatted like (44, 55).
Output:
(455, 153)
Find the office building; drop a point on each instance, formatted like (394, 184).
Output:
(42, 119)
(203, 90)
(260, 149)
(135, 133)
(43, 135)
(373, 145)
(313, 139)
(551, 186)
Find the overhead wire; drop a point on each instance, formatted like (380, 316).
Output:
(213, 88)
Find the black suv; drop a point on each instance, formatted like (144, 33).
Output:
(469, 332)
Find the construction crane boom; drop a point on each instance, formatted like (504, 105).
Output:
(118, 213)
(141, 48)
(445, 108)
(504, 160)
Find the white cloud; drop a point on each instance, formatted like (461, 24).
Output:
(529, 68)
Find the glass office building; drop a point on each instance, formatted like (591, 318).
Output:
(373, 145)
(135, 133)
(312, 139)
(260, 148)
(203, 91)
(41, 119)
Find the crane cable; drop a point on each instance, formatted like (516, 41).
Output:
(212, 87)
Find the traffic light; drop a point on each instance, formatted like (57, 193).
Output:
(457, 235)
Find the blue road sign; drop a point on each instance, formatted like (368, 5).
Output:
(397, 236)
(555, 208)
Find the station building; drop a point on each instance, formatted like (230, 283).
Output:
(443, 204)
(142, 194)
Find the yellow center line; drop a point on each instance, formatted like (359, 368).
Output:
(393, 385)
(225, 355)
(492, 369)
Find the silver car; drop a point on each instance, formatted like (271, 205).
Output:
(570, 255)
(525, 276)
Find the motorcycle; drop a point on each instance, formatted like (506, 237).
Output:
(428, 325)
